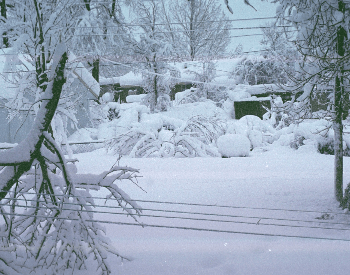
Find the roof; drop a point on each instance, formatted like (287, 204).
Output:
(188, 70)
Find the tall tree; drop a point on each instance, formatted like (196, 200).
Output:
(153, 49)
(99, 33)
(46, 223)
(201, 26)
(322, 41)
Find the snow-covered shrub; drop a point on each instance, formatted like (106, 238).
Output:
(255, 70)
(313, 133)
(127, 116)
(238, 93)
(259, 132)
(135, 142)
(161, 136)
(138, 143)
(163, 102)
(233, 145)
(217, 94)
(188, 96)
(189, 146)
(206, 129)
(206, 108)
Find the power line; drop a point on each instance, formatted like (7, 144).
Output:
(202, 219)
(163, 32)
(194, 30)
(190, 228)
(194, 204)
(179, 212)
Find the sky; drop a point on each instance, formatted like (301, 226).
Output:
(243, 11)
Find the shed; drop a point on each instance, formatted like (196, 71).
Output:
(252, 106)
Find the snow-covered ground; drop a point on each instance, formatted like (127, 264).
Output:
(279, 178)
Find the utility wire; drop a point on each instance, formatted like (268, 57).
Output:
(201, 219)
(164, 32)
(207, 21)
(192, 228)
(194, 30)
(194, 204)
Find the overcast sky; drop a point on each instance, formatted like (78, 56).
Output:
(242, 11)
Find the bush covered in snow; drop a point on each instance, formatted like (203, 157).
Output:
(255, 70)
(204, 129)
(194, 138)
(233, 145)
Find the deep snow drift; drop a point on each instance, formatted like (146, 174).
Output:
(280, 178)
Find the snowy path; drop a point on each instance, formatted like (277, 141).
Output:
(277, 179)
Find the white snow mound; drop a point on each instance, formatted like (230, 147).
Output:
(233, 145)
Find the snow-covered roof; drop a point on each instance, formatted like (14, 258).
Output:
(129, 79)
(263, 89)
(188, 73)
(109, 81)
(223, 71)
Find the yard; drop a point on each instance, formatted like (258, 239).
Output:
(261, 189)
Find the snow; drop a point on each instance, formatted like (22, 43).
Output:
(283, 171)
(131, 79)
(10, 62)
(135, 98)
(108, 81)
(280, 178)
(84, 76)
(188, 73)
(231, 145)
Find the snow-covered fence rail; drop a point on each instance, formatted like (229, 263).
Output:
(83, 146)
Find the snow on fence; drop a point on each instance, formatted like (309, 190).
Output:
(83, 146)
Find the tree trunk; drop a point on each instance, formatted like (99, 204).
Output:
(96, 69)
(155, 91)
(192, 34)
(338, 115)
(338, 140)
(5, 40)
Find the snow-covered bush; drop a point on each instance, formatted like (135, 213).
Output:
(312, 133)
(206, 129)
(233, 145)
(135, 143)
(139, 144)
(188, 146)
(259, 132)
(256, 70)
(188, 96)
(160, 136)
